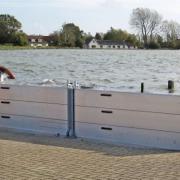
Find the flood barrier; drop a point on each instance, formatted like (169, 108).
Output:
(117, 117)
(129, 118)
(36, 109)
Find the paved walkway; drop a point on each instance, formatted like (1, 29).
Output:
(24, 156)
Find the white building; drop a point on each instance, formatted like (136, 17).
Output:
(38, 41)
(108, 44)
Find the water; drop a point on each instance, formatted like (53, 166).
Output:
(121, 70)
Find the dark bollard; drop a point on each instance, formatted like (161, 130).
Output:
(171, 86)
(142, 87)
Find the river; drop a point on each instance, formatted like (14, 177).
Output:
(121, 70)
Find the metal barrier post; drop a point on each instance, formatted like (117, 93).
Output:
(71, 110)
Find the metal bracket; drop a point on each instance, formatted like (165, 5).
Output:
(71, 110)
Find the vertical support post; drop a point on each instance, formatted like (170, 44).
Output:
(142, 87)
(71, 111)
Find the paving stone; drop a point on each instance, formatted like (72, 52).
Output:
(28, 156)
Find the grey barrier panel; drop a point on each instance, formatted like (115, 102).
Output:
(71, 112)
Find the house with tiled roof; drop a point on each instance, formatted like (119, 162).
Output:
(108, 44)
(38, 40)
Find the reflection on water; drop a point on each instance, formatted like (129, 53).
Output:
(122, 70)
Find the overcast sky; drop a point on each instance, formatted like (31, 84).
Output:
(46, 16)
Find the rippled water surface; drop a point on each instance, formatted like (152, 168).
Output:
(121, 70)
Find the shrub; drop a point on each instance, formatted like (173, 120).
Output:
(153, 45)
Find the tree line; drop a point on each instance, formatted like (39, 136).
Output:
(151, 31)
(71, 36)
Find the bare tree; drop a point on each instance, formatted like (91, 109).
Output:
(171, 30)
(154, 24)
(146, 22)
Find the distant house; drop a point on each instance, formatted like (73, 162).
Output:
(108, 44)
(38, 40)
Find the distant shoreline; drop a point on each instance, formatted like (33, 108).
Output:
(11, 47)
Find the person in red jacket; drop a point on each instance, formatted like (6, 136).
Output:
(7, 72)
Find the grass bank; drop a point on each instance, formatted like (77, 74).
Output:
(12, 47)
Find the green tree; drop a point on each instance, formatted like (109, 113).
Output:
(132, 39)
(72, 36)
(55, 38)
(20, 39)
(153, 45)
(9, 26)
(87, 39)
(116, 35)
(120, 35)
(171, 44)
(98, 36)
(177, 44)
(160, 40)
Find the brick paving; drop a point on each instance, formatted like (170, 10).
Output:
(28, 156)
